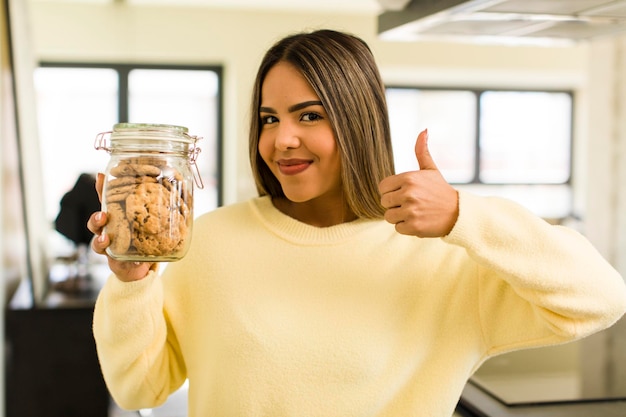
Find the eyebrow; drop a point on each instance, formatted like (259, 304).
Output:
(293, 108)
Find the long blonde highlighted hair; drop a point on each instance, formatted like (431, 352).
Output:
(342, 71)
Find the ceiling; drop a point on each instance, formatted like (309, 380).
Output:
(352, 6)
(489, 21)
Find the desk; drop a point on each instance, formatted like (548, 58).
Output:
(52, 369)
(477, 403)
(586, 378)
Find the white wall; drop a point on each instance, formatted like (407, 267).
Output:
(237, 40)
(604, 149)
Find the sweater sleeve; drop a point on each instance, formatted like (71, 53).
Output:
(539, 284)
(140, 360)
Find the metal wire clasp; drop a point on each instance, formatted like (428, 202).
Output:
(101, 141)
(193, 156)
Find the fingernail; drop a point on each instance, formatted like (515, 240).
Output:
(101, 238)
(99, 216)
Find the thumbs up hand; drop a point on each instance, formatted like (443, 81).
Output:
(420, 203)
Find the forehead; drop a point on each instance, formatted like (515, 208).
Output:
(285, 81)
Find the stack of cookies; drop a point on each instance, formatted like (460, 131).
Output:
(149, 208)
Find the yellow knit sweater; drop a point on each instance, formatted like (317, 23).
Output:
(267, 316)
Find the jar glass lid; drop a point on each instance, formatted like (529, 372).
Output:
(153, 127)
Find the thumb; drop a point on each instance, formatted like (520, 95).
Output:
(424, 159)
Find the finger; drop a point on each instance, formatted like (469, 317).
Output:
(96, 222)
(100, 243)
(387, 199)
(387, 185)
(392, 183)
(424, 159)
(99, 184)
(394, 215)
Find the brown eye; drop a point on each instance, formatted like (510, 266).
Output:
(266, 120)
(310, 117)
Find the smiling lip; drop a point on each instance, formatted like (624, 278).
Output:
(292, 166)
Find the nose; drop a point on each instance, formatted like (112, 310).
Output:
(287, 137)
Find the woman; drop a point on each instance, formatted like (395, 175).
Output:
(343, 289)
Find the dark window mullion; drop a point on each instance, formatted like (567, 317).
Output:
(123, 94)
(476, 179)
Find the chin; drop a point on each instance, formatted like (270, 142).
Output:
(298, 197)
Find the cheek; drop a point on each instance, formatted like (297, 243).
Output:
(265, 149)
(331, 153)
(336, 168)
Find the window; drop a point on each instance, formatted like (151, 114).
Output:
(516, 144)
(78, 101)
(525, 137)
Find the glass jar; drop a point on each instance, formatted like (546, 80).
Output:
(148, 191)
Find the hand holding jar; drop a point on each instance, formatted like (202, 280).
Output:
(125, 271)
(147, 192)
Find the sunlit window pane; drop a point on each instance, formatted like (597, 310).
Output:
(184, 98)
(525, 137)
(73, 105)
(450, 117)
(523, 152)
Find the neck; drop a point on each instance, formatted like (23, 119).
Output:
(316, 213)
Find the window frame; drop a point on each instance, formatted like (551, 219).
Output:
(124, 69)
(477, 155)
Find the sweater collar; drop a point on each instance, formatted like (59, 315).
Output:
(295, 231)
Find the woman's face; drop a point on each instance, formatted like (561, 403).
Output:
(297, 141)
